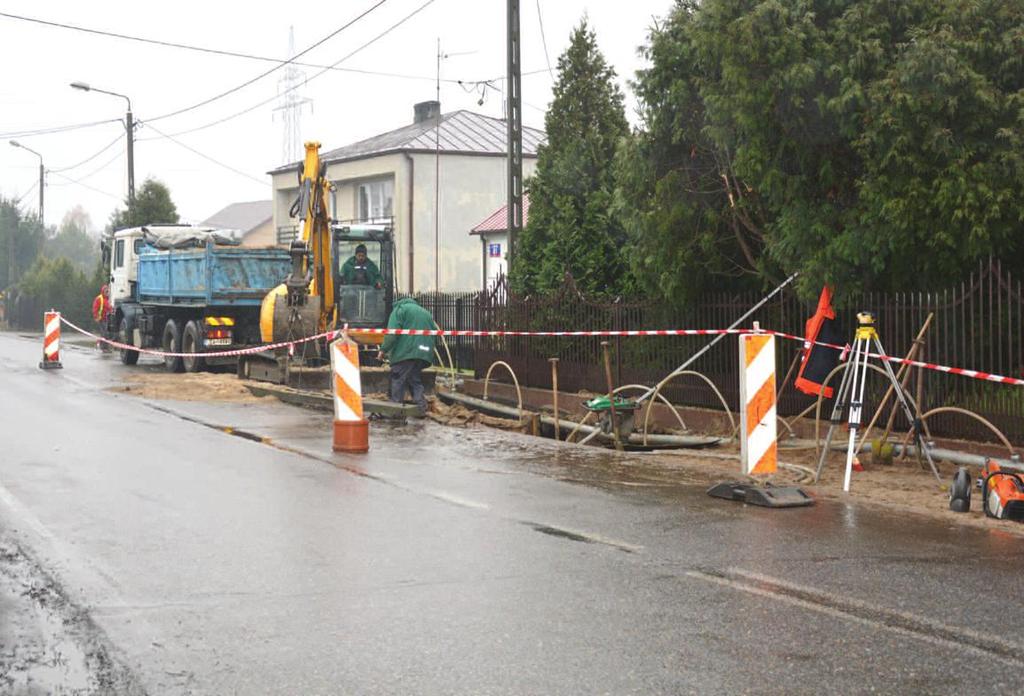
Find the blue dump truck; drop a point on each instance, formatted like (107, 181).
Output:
(188, 290)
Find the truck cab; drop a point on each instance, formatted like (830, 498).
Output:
(124, 263)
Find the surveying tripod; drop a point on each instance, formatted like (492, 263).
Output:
(851, 390)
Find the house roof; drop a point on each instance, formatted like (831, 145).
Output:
(242, 216)
(461, 132)
(498, 220)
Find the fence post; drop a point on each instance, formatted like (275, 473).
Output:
(458, 327)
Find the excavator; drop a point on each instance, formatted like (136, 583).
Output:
(313, 299)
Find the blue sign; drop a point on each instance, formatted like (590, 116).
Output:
(494, 250)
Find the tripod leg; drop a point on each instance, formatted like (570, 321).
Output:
(837, 413)
(915, 424)
(860, 379)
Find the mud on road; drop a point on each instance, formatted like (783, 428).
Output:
(48, 645)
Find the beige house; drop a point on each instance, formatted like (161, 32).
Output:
(435, 178)
(254, 218)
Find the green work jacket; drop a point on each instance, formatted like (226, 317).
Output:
(354, 274)
(407, 314)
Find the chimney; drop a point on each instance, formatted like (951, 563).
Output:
(426, 111)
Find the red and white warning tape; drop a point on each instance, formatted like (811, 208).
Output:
(210, 354)
(331, 335)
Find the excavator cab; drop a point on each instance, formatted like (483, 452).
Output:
(365, 279)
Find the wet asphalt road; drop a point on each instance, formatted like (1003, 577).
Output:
(452, 561)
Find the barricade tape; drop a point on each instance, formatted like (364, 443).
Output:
(205, 354)
(331, 335)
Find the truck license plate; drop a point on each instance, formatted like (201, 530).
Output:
(218, 341)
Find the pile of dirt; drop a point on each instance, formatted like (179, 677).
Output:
(199, 386)
(459, 416)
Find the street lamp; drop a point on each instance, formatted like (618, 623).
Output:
(129, 127)
(42, 182)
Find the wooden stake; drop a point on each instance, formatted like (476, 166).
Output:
(554, 392)
(611, 396)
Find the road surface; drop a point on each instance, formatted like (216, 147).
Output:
(205, 548)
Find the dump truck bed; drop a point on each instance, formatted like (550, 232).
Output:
(212, 275)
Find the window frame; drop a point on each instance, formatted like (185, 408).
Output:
(379, 197)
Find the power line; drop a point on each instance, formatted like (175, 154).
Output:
(56, 129)
(544, 41)
(25, 195)
(344, 58)
(91, 188)
(94, 172)
(213, 51)
(262, 182)
(334, 33)
(91, 157)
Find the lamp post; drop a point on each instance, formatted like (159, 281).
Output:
(129, 125)
(42, 175)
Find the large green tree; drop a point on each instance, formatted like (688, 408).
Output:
(866, 143)
(21, 233)
(571, 227)
(152, 206)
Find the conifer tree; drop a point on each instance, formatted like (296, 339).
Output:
(571, 226)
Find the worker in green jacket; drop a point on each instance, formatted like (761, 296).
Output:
(408, 354)
(360, 269)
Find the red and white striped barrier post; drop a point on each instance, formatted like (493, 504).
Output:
(51, 341)
(758, 452)
(351, 430)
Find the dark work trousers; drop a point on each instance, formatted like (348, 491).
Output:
(406, 374)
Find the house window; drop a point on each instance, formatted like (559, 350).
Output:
(375, 200)
(119, 253)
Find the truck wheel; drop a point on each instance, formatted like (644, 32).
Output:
(191, 342)
(128, 357)
(171, 343)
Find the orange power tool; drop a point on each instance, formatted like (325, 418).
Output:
(1002, 492)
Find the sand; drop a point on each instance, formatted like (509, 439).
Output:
(199, 386)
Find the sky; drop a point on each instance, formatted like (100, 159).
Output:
(218, 149)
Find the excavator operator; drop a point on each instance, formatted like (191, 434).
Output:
(360, 270)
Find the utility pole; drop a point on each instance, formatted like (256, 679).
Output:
(515, 131)
(130, 127)
(42, 178)
(129, 124)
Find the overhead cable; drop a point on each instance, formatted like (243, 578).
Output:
(91, 174)
(25, 195)
(306, 50)
(56, 129)
(215, 51)
(544, 41)
(307, 81)
(91, 188)
(91, 157)
(262, 182)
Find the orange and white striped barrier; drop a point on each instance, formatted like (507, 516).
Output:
(51, 341)
(351, 429)
(758, 452)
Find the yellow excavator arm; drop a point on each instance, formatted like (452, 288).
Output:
(305, 303)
